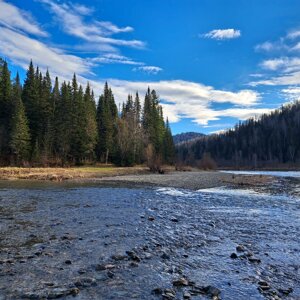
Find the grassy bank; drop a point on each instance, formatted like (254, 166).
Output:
(61, 174)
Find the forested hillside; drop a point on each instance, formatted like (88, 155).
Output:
(272, 140)
(45, 123)
(186, 136)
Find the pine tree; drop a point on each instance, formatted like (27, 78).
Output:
(107, 116)
(5, 109)
(30, 98)
(168, 145)
(20, 136)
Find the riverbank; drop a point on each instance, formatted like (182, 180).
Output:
(63, 174)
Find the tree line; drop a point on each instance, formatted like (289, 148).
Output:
(45, 123)
(269, 141)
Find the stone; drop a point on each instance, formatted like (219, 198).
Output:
(118, 257)
(133, 256)
(254, 260)
(285, 291)
(233, 255)
(263, 285)
(68, 262)
(240, 248)
(212, 291)
(168, 294)
(181, 282)
(62, 292)
(157, 291)
(110, 274)
(103, 267)
(175, 220)
(148, 255)
(151, 218)
(187, 295)
(165, 256)
(85, 282)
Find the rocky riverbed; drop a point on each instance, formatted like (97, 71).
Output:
(101, 242)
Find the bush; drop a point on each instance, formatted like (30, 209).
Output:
(207, 162)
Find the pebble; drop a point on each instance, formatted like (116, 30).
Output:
(151, 218)
(233, 255)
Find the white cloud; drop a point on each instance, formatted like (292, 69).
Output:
(82, 9)
(184, 99)
(148, 69)
(21, 49)
(14, 18)
(286, 64)
(293, 34)
(94, 32)
(222, 34)
(112, 58)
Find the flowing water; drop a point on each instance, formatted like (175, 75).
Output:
(57, 240)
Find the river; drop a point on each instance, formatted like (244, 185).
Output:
(62, 240)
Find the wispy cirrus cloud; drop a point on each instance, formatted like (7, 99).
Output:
(148, 69)
(13, 17)
(222, 34)
(95, 32)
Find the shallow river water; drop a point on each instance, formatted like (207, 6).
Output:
(59, 240)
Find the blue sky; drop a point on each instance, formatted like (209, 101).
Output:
(212, 62)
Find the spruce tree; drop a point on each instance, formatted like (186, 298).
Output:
(107, 116)
(5, 109)
(168, 145)
(30, 98)
(20, 136)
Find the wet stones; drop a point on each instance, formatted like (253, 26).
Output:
(233, 255)
(68, 262)
(151, 218)
(174, 220)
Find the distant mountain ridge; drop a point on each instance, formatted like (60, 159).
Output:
(186, 137)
